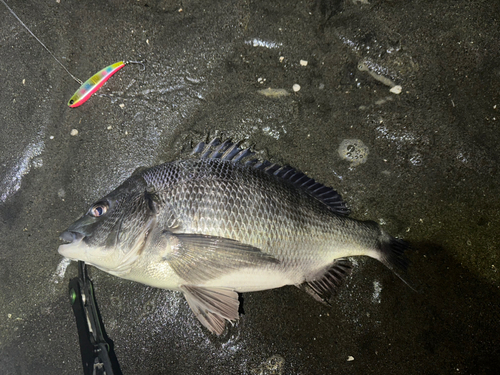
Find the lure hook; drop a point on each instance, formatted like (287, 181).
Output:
(137, 62)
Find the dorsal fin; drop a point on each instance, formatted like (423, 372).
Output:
(230, 151)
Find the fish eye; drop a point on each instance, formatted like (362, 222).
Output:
(71, 101)
(99, 209)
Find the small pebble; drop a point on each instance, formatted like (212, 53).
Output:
(61, 193)
(350, 358)
(273, 93)
(296, 87)
(121, 105)
(282, 58)
(303, 62)
(74, 132)
(396, 89)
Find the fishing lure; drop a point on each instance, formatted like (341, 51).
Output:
(95, 82)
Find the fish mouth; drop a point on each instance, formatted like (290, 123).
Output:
(70, 236)
(72, 245)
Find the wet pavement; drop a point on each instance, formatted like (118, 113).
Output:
(430, 173)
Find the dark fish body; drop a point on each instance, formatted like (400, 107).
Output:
(219, 224)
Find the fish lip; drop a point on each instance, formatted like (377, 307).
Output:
(71, 249)
(70, 237)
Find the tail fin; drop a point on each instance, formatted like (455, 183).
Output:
(392, 254)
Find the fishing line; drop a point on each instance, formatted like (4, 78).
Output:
(91, 85)
(39, 41)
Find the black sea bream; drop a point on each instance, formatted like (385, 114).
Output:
(218, 223)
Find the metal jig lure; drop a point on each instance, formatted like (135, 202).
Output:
(96, 81)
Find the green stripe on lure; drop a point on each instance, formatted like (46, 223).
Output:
(95, 82)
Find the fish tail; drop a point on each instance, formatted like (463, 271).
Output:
(392, 253)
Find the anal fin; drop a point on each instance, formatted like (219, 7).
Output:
(326, 285)
(212, 306)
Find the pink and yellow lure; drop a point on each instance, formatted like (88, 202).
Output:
(95, 82)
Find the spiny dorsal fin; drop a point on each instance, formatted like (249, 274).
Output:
(230, 151)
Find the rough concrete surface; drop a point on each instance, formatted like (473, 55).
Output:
(431, 173)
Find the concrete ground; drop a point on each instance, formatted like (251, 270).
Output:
(431, 173)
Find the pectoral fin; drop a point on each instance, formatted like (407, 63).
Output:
(197, 258)
(212, 306)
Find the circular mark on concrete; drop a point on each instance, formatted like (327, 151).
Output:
(354, 151)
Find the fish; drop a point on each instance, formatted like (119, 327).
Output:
(221, 222)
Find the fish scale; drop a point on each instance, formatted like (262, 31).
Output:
(222, 222)
(214, 216)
